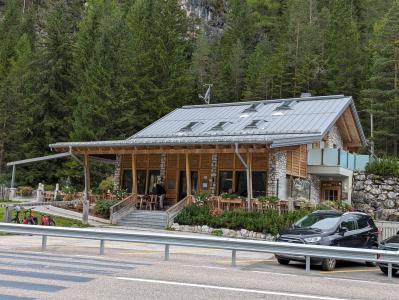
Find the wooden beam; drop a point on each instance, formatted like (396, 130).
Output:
(188, 175)
(134, 174)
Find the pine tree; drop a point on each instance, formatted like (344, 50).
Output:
(158, 54)
(99, 63)
(343, 50)
(382, 98)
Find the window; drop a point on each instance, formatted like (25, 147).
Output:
(219, 126)
(127, 180)
(141, 179)
(287, 104)
(258, 184)
(349, 223)
(362, 221)
(253, 125)
(153, 178)
(252, 108)
(225, 181)
(241, 183)
(189, 126)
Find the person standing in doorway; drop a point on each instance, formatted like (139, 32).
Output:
(160, 191)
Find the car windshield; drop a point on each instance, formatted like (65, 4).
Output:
(318, 221)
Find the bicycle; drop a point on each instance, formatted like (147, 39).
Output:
(16, 219)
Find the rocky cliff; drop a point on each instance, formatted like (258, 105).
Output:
(376, 195)
(210, 14)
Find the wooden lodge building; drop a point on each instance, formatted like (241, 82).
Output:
(299, 148)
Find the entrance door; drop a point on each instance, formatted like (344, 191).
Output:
(331, 191)
(183, 184)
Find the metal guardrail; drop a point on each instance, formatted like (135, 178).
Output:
(169, 239)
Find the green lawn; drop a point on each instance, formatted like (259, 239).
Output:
(59, 221)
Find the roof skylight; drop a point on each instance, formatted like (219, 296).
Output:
(219, 126)
(252, 108)
(189, 126)
(285, 105)
(253, 125)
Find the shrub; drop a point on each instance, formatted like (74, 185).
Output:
(25, 191)
(386, 166)
(230, 196)
(102, 207)
(201, 197)
(119, 194)
(49, 188)
(217, 232)
(265, 222)
(106, 185)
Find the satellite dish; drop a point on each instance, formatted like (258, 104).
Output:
(207, 96)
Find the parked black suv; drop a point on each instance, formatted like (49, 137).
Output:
(330, 228)
(390, 244)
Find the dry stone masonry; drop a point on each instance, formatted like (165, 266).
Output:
(277, 171)
(376, 195)
(334, 139)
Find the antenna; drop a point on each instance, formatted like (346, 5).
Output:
(207, 96)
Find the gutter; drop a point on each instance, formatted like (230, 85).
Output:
(249, 190)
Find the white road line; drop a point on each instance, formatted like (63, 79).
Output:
(274, 273)
(263, 292)
(205, 267)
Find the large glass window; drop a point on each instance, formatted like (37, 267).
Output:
(225, 181)
(241, 183)
(141, 179)
(183, 184)
(127, 180)
(153, 178)
(258, 184)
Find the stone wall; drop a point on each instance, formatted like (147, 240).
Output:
(334, 138)
(314, 187)
(277, 173)
(117, 172)
(376, 195)
(214, 173)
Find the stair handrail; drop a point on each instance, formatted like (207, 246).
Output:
(127, 202)
(175, 209)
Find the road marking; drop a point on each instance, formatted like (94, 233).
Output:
(225, 288)
(205, 267)
(274, 273)
(360, 281)
(350, 271)
(245, 261)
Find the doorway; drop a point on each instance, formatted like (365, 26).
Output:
(331, 191)
(183, 184)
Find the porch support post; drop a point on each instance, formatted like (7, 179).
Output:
(13, 177)
(246, 165)
(86, 168)
(249, 171)
(134, 174)
(188, 175)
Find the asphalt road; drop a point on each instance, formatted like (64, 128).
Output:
(72, 269)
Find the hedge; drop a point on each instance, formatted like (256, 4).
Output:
(266, 222)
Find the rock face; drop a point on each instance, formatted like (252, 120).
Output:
(376, 195)
(212, 18)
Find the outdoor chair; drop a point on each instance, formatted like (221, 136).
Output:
(152, 203)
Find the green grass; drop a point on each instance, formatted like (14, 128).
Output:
(59, 221)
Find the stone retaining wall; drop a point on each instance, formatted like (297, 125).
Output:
(243, 233)
(376, 195)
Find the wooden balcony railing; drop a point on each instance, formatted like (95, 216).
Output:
(122, 208)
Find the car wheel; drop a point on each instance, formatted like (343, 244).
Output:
(370, 264)
(385, 270)
(283, 261)
(328, 264)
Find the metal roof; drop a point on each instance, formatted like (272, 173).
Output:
(306, 120)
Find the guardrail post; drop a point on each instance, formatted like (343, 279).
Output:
(44, 242)
(390, 271)
(166, 252)
(307, 264)
(233, 258)
(102, 242)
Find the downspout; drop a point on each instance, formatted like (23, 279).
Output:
(249, 191)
